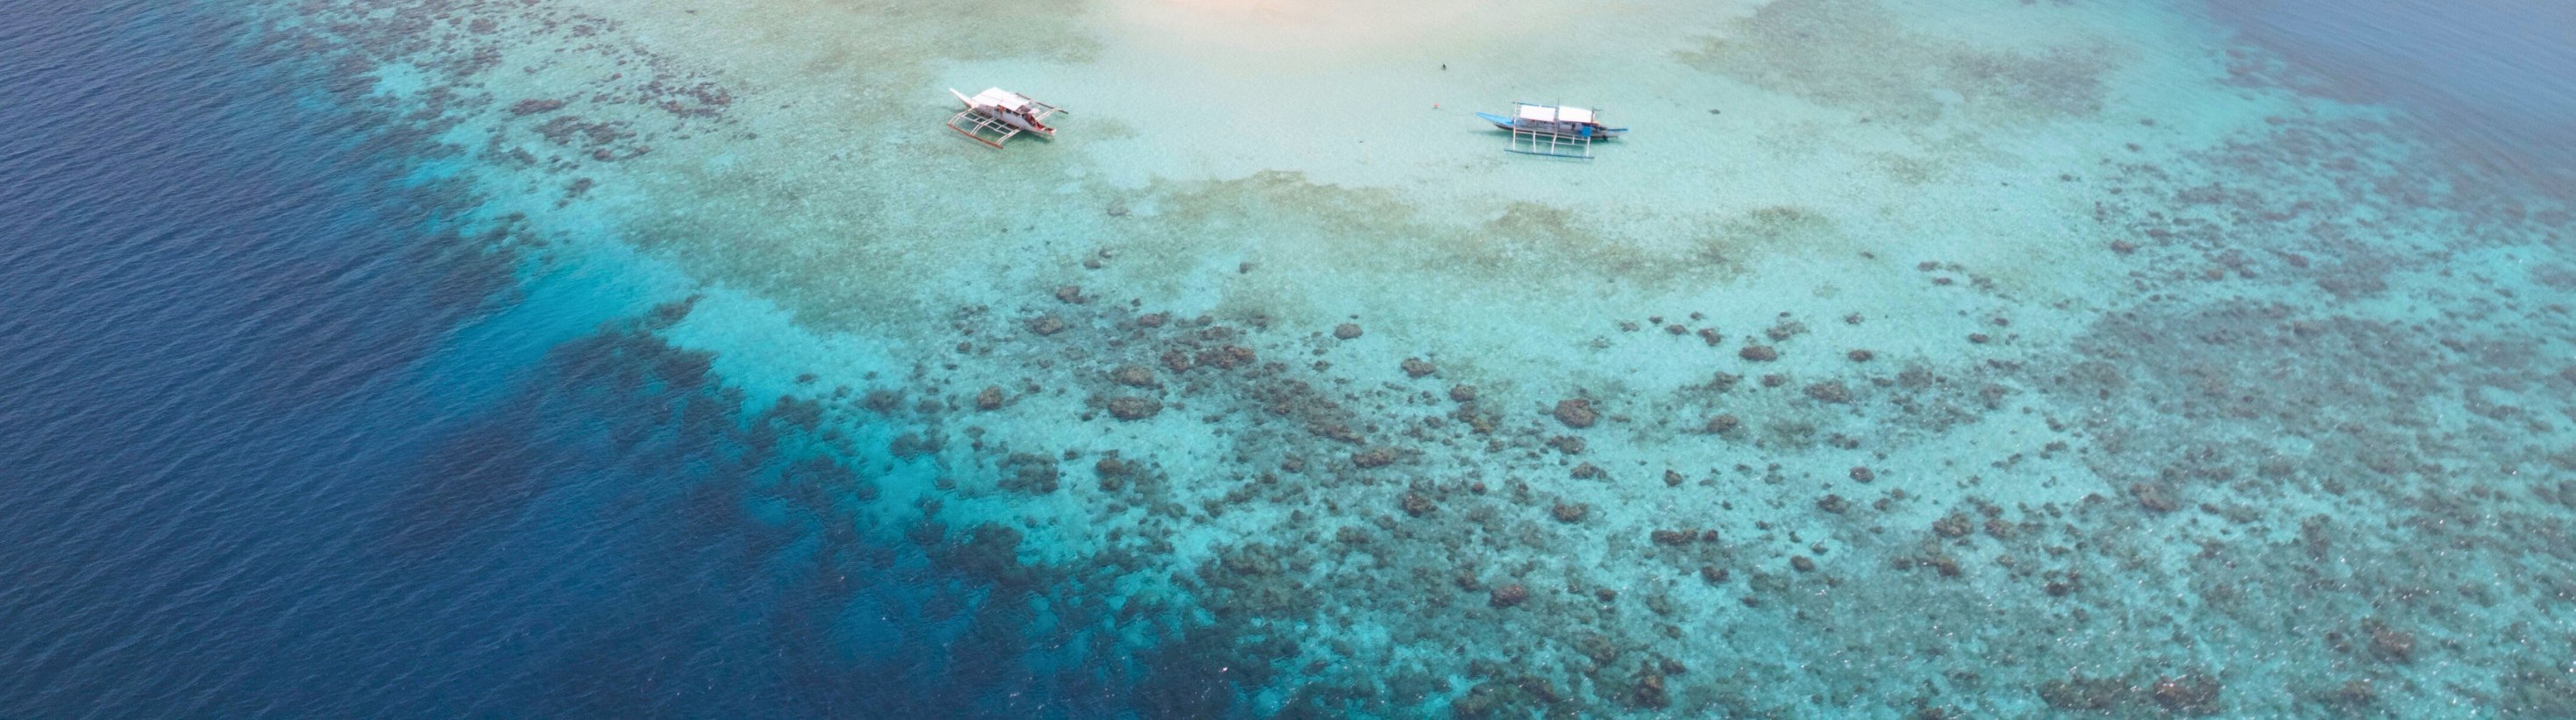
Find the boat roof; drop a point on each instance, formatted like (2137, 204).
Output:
(1001, 97)
(1545, 113)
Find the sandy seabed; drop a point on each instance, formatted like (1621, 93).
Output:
(1926, 359)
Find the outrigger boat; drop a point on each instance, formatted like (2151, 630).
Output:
(1002, 115)
(1553, 130)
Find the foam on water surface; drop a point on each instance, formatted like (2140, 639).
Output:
(1905, 357)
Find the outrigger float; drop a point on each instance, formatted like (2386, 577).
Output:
(1552, 130)
(994, 116)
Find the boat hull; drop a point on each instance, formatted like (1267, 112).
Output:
(1506, 123)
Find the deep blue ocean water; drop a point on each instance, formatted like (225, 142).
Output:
(2490, 77)
(275, 441)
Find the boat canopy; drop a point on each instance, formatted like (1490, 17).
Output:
(1543, 113)
(1003, 98)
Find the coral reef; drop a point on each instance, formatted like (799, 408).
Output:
(2311, 366)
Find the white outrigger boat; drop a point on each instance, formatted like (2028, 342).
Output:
(1552, 130)
(1000, 114)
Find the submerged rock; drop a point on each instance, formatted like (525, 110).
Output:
(2390, 644)
(1228, 357)
(1136, 376)
(1648, 692)
(1029, 473)
(1134, 408)
(1047, 324)
(1346, 331)
(1111, 465)
(1576, 413)
(1417, 506)
(1417, 367)
(2353, 693)
(1374, 457)
(2154, 497)
(2082, 693)
(532, 107)
(1784, 330)
(2194, 694)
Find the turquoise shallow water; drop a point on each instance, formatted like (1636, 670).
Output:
(583, 358)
